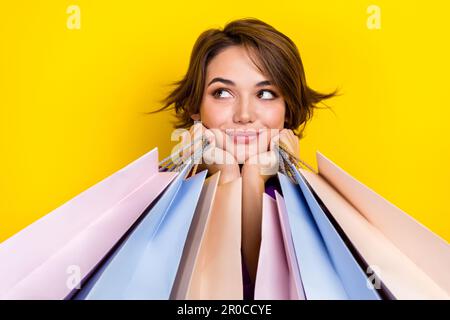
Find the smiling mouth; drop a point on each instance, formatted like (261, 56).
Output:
(242, 137)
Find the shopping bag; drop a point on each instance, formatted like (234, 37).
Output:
(273, 277)
(296, 286)
(426, 249)
(217, 272)
(319, 277)
(354, 279)
(145, 265)
(394, 269)
(49, 258)
(195, 236)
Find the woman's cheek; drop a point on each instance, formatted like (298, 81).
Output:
(274, 117)
(216, 116)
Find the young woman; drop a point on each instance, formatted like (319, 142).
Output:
(242, 82)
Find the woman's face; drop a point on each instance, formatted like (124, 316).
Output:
(240, 101)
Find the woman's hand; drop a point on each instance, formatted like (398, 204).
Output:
(215, 157)
(266, 164)
(289, 140)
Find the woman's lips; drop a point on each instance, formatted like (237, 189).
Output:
(243, 137)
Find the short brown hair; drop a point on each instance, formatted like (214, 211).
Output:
(277, 57)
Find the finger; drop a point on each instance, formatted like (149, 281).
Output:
(285, 139)
(196, 133)
(223, 140)
(218, 156)
(209, 135)
(288, 140)
(269, 163)
(292, 137)
(275, 140)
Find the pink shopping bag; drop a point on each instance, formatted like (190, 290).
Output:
(49, 258)
(277, 276)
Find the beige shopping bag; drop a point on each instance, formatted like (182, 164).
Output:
(196, 235)
(217, 273)
(409, 259)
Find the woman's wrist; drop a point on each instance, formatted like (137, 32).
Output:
(254, 171)
(229, 174)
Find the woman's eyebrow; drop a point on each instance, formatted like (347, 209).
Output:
(263, 83)
(225, 81)
(231, 83)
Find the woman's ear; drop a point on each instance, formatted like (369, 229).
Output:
(195, 116)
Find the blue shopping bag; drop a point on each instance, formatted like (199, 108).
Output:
(319, 277)
(353, 278)
(146, 263)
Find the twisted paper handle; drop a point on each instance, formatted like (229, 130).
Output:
(174, 162)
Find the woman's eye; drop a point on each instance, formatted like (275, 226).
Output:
(217, 94)
(268, 96)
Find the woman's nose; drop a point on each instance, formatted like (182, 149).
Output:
(244, 112)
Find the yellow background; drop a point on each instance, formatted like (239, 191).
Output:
(71, 101)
